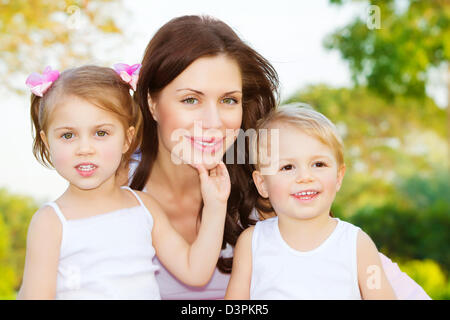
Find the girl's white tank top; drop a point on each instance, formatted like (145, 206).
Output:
(326, 272)
(107, 256)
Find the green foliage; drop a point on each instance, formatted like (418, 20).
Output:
(408, 230)
(15, 215)
(33, 31)
(394, 59)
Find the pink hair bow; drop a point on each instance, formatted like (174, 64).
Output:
(128, 73)
(39, 83)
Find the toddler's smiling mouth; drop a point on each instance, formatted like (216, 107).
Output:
(305, 195)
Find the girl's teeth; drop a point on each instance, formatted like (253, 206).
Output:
(86, 168)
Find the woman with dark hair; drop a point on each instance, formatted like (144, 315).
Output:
(199, 86)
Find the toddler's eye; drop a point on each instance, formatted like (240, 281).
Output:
(320, 164)
(101, 133)
(287, 167)
(190, 100)
(67, 135)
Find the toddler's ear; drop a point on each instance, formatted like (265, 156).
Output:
(258, 179)
(340, 178)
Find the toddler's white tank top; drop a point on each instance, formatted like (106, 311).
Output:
(326, 272)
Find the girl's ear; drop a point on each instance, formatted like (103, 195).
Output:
(152, 107)
(260, 184)
(128, 139)
(340, 178)
(44, 139)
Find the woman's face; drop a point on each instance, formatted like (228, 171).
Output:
(200, 112)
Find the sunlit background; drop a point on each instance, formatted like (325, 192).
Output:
(381, 73)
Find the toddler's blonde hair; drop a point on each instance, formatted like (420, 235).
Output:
(301, 116)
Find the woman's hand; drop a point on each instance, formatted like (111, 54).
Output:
(215, 184)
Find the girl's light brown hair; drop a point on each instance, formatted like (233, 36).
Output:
(100, 86)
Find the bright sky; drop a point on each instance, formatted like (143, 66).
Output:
(289, 33)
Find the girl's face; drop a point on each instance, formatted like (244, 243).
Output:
(305, 177)
(200, 111)
(86, 143)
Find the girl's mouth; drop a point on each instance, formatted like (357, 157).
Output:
(206, 144)
(86, 169)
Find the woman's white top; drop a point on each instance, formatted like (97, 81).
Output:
(326, 272)
(107, 256)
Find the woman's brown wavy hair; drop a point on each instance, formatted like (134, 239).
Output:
(171, 50)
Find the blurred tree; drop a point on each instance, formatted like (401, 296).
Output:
(394, 58)
(39, 32)
(403, 227)
(7, 271)
(15, 215)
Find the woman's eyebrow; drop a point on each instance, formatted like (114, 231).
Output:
(201, 93)
(189, 89)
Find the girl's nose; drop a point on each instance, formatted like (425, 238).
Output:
(85, 146)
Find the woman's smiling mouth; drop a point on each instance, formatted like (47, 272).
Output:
(206, 144)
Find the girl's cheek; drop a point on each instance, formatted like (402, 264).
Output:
(61, 156)
(113, 150)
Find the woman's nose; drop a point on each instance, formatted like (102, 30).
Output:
(211, 116)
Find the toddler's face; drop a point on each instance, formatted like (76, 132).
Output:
(304, 178)
(86, 143)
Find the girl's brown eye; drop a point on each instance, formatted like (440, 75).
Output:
(101, 133)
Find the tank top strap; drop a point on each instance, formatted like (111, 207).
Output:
(57, 210)
(137, 197)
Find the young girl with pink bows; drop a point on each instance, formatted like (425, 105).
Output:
(97, 240)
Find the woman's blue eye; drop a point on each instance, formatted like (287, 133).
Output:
(190, 101)
(67, 135)
(101, 133)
